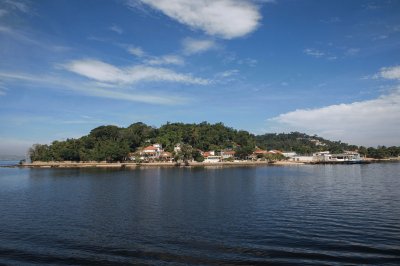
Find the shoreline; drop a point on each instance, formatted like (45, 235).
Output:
(146, 165)
(133, 165)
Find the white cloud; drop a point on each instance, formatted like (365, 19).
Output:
(228, 73)
(195, 46)
(389, 73)
(352, 51)
(116, 29)
(371, 122)
(224, 18)
(380, 37)
(103, 72)
(314, 53)
(137, 51)
(134, 97)
(248, 61)
(165, 60)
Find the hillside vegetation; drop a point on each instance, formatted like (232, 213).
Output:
(112, 143)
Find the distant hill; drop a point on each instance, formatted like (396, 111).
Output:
(112, 143)
(301, 143)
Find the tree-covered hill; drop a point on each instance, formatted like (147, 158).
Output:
(301, 143)
(112, 143)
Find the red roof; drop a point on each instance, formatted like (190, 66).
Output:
(207, 153)
(260, 151)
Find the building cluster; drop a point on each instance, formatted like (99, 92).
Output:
(326, 156)
(156, 152)
(153, 152)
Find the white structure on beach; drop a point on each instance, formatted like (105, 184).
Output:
(347, 156)
(326, 156)
(302, 159)
(289, 154)
(212, 159)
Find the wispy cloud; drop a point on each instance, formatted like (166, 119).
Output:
(165, 60)
(16, 5)
(136, 51)
(196, 46)
(116, 29)
(148, 59)
(352, 51)
(228, 73)
(224, 18)
(248, 61)
(103, 72)
(314, 52)
(30, 39)
(319, 54)
(381, 37)
(89, 88)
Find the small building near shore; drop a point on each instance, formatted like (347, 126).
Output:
(212, 159)
(302, 159)
(347, 156)
(289, 154)
(227, 154)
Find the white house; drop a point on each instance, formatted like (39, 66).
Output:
(289, 154)
(153, 151)
(212, 159)
(302, 159)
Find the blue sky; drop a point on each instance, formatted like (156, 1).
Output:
(330, 68)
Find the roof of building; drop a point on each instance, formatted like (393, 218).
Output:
(207, 153)
(150, 148)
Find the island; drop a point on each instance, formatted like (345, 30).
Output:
(203, 144)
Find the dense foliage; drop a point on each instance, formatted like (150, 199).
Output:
(112, 143)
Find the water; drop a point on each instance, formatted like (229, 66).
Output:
(316, 215)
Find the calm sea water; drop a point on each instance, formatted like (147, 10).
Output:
(319, 215)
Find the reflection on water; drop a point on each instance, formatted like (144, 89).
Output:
(348, 214)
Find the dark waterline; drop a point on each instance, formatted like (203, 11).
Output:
(320, 215)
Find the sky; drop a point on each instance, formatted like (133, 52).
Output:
(330, 68)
